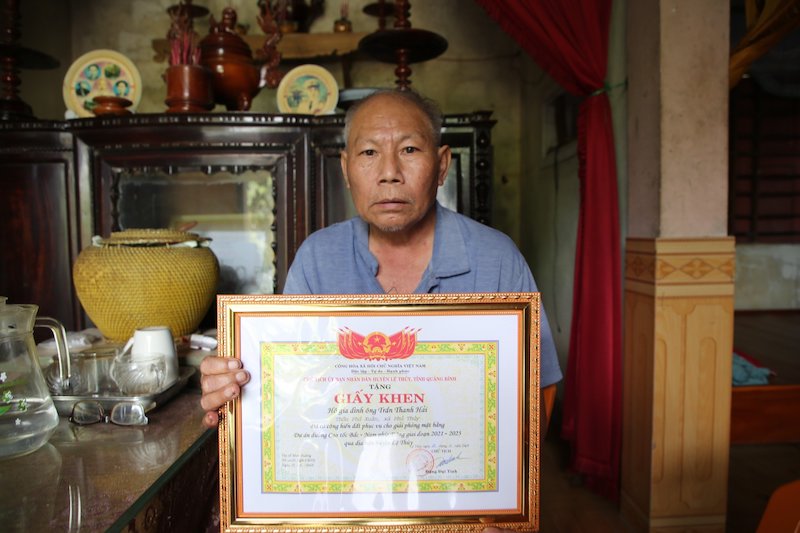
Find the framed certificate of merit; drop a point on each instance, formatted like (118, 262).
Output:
(381, 413)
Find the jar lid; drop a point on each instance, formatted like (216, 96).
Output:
(150, 237)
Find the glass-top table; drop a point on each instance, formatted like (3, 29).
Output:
(103, 477)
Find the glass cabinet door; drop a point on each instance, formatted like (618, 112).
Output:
(235, 210)
(239, 180)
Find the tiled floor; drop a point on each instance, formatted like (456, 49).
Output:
(755, 471)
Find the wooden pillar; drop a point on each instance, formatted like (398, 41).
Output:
(677, 376)
(679, 269)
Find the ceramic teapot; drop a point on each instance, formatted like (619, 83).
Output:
(27, 414)
(235, 77)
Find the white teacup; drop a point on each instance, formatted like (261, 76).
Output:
(157, 340)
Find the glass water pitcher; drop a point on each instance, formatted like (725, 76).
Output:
(27, 414)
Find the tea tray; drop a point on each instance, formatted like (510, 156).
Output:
(149, 401)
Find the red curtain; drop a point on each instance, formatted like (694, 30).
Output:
(569, 40)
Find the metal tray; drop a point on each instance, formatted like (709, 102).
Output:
(149, 401)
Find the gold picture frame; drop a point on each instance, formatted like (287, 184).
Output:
(381, 413)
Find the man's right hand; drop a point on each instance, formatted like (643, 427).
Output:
(221, 379)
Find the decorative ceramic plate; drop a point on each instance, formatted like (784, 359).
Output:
(308, 89)
(100, 73)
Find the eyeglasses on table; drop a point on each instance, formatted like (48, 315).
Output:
(85, 412)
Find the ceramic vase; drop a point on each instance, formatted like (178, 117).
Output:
(188, 89)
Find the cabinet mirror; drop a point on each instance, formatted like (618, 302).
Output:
(235, 210)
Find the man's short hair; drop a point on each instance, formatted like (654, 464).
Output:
(428, 107)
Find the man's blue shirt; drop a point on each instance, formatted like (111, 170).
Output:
(467, 257)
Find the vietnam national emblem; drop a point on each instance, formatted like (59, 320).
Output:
(377, 345)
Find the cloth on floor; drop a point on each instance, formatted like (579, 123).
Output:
(746, 373)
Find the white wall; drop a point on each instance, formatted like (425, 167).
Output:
(767, 276)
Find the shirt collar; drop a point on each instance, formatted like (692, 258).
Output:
(449, 257)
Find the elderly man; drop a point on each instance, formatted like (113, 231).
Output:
(403, 240)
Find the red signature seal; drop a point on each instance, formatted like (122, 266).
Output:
(420, 461)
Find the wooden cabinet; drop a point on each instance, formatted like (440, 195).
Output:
(257, 184)
(39, 220)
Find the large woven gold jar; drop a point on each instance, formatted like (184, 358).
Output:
(146, 277)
